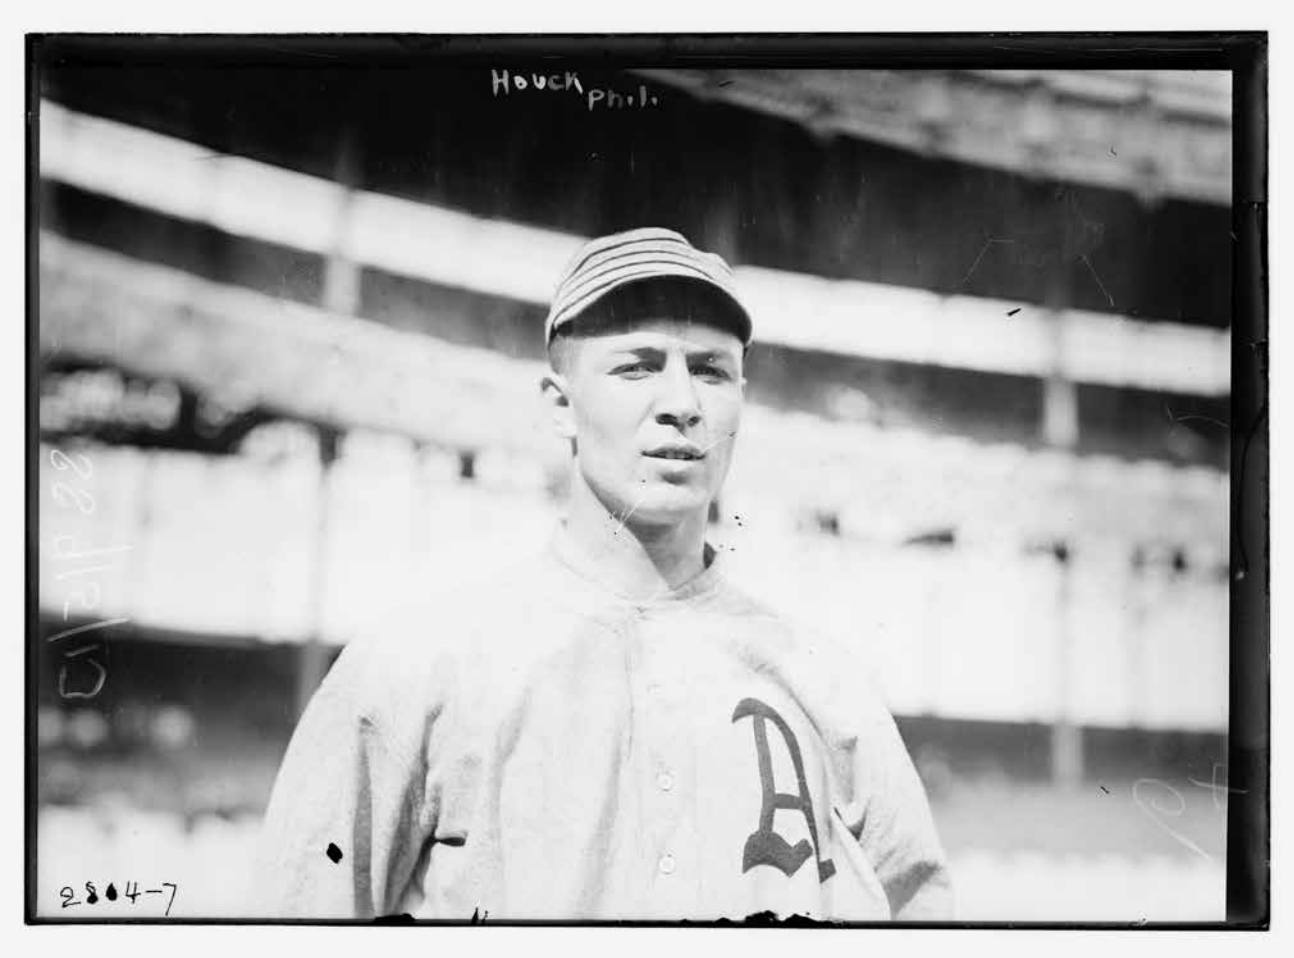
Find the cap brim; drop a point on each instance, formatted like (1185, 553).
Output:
(690, 296)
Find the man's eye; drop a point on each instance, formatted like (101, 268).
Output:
(712, 372)
(637, 369)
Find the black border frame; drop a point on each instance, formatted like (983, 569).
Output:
(1244, 53)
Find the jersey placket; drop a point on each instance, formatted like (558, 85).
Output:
(663, 762)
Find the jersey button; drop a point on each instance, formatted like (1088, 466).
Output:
(664, 781)
(667, 864)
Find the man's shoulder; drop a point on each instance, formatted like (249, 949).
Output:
(832, 670)
(446, 615)
(416, 646)
(798, 632)
(736, 600)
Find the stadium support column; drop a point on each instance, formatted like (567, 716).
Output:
(341, 296)
(313, 662)
(341, 272)
(1060, 431)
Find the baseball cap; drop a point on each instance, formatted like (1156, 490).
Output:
(609, 263)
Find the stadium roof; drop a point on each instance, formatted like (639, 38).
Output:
(1154, 133)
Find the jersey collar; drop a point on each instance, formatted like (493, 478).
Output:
(576, 561)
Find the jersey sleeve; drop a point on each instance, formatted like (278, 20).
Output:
(349, 812)
(894, 824)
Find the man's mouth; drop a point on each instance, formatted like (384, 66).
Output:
(686, 453)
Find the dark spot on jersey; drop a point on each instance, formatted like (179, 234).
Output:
(333, 853)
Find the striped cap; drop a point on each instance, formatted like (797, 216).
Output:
(610, 262)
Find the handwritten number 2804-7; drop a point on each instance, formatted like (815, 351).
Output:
(132, 892)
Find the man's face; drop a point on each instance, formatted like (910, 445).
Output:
(655, 410)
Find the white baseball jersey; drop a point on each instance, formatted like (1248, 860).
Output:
(541, 747)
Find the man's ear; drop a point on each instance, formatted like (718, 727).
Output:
(558, 399)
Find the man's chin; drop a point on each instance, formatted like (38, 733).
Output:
(666, 506)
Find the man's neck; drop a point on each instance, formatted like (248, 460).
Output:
(636, 559)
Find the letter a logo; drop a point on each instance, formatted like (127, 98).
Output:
(765, 846)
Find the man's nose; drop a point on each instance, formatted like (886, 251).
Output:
(678, 404)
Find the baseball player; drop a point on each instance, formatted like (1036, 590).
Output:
(610, 730)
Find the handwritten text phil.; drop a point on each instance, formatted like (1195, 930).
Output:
(506, 83)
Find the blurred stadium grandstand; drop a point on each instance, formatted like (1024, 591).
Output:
(290, 330)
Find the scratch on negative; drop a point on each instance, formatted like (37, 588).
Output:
(975, 265)
(1173, 417)
(1104, 292)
